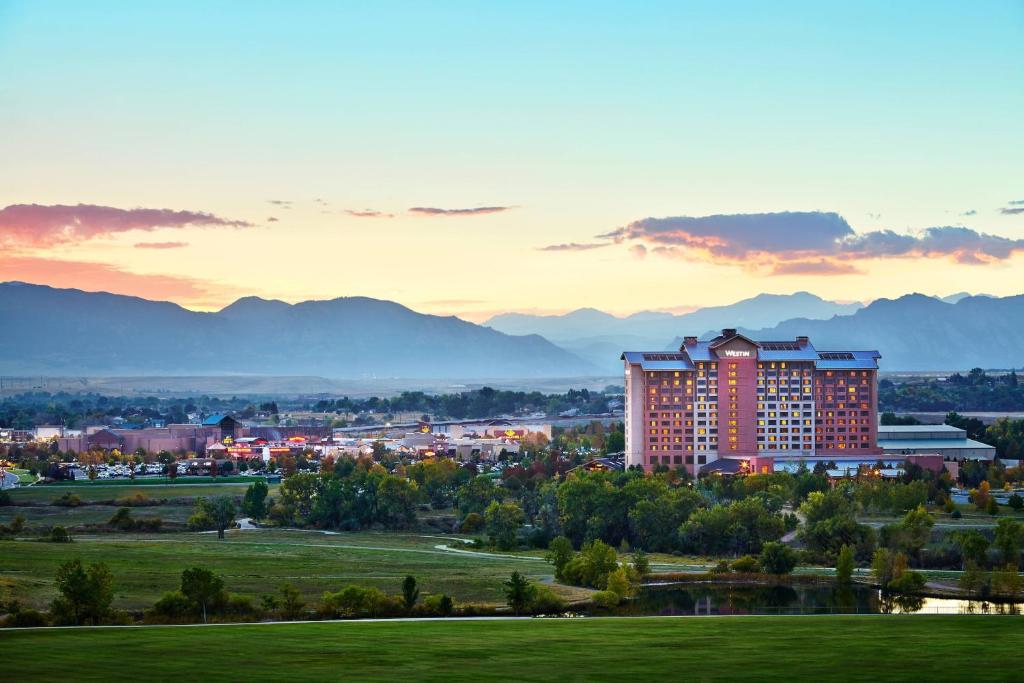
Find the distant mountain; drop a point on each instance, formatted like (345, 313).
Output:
(600, 337)
(51, 331)
(918, 332)
(955, 298)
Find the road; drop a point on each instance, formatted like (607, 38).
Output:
(9, 481)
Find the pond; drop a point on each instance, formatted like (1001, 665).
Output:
(712, 599)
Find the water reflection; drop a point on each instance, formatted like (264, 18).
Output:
(709, 599)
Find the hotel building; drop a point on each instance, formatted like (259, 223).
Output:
(749, 402)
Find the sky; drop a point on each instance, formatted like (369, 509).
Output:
(470, 158)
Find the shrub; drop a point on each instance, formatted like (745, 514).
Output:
(240, 607)
(68, 500)
(721, 568)
(907, 582)
(5, 498)
(622, 582)
(956, 514)
(356, 601)
(24, 618)
(745, 565)
(59, 534)
(122, 520)
(1016, 502)
(137, 500)
(606, 599)
(472, 523)
(439, 605)
(777, 558)
(200, 521)
(172, 608)
(546, 601)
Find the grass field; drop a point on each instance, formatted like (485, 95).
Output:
(257, 562)
(881, 648)
(104, 491)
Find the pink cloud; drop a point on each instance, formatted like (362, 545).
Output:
(102, 277)
(160, 245)
(37, 225)
(434, 211)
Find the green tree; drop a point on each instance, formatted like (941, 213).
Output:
(591, 567)
(202, 588)
(254, 503)
(560, 554)
(502, 522)
(476, 494)
(915, 529)
(291, 604)
(641, 564)
(85, 595)
(973, 547)
(410, 593)
(1007, 540)
(518, 592)
(777, 558)
(844, 565)
(622, 583)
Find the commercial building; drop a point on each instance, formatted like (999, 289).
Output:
(750, 401)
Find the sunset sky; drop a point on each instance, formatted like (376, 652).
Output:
(474, 157)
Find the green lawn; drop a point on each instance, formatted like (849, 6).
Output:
(786, 649)
(257, 562)
(105, 491)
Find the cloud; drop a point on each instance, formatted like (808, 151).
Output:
(639, 251)
(368, 213)
(1011, 212)
(819, 267)
(107, 278)
(160, 245)
(271, 219)
(969, 212)
(433, 211)
(283, 203)
(574, 246)
(37, 225)
(1016, 202)
(812, 242)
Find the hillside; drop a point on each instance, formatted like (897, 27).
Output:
(70, 332)
(918, 332)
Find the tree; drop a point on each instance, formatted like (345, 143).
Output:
(254, 503)
(502, 522)
(777, 558)
(591, 567)
(202, 588)
(915, 529)
(641, 564)
(622, 583)
(291, 604)
(973, 547)
(85, 595)
(1007, 540)
(560, 553)
(518, 592)
(410, 593)
(844, 565)
(222, 512)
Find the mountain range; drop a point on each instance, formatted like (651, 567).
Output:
(68, 332)
(918, 332)
(52, 331)
(600, 337)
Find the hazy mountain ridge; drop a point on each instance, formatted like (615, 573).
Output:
(600, 337)
(66, 331)
(919, 332)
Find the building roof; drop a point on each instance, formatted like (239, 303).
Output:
(215, 420)
(800, 349)
(934, 444)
